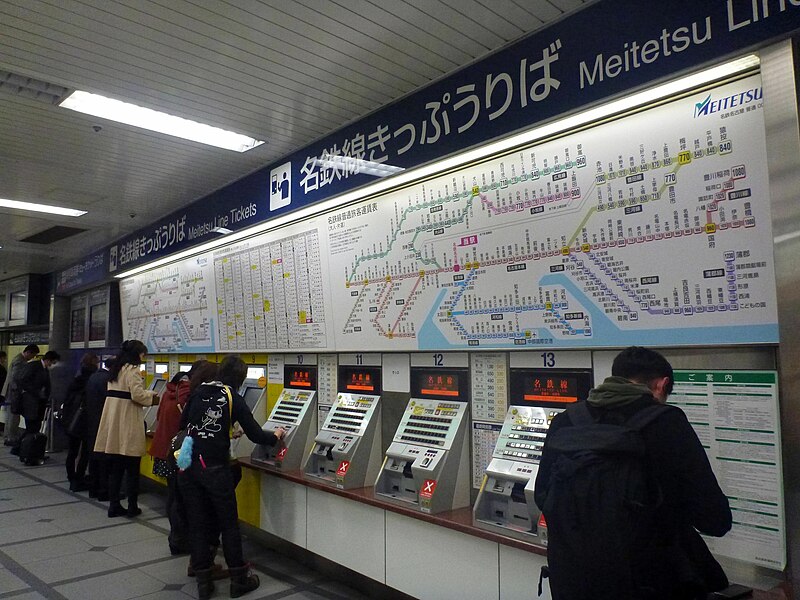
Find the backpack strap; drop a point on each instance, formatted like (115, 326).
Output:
(230, 410)
(642, 418)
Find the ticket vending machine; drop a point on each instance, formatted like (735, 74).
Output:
(505, 502)
(295, 411)
(254, 396)
(347, 449)
(150, 414)
(427, 464)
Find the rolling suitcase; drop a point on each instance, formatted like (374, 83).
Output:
(33, 446)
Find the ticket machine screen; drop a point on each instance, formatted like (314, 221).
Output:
(529, 386)
(298, 377)
(443, 384)
(251, 396)
(360, 380)
(158, 385)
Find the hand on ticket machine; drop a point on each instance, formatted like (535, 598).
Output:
(280, 432)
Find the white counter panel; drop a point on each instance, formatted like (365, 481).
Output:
(434, 563)
(348, 533)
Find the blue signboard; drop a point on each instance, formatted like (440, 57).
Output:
(602, 51)
(91, 270)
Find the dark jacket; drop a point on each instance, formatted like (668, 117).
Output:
(677, 461)
(76, 396)
(35, 390)
(208, 414)
(96, 387)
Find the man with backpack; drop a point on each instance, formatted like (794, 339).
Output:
(625, 485)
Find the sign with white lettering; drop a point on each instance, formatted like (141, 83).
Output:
(576, 61)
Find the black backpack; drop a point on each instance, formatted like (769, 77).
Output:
(600, 505)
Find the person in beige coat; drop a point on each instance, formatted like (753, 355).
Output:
(121, 433)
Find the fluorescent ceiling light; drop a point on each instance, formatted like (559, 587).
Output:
(147, 118)
(349, 164)
(32, 206)
(584, 117)
(222, 230)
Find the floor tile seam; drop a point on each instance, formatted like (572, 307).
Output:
(89, 501)
(120, 569)
(13, 510)
(276, 574)
(15, 593)
(33, 582)
(19, 487)
(66, 533)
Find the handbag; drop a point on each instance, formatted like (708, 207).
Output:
(77, 425)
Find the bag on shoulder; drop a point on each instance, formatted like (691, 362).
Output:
(600, 505)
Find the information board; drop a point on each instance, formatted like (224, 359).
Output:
(565, 244)
(735, 415)
(656, 222)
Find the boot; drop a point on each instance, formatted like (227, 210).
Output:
(133, 507)
(205, 584)
(115, 509)
(242, 581)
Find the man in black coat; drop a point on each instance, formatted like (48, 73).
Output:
(674, 563)
(12, 395)
(35, 390)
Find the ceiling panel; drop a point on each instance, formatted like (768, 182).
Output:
(287, 71)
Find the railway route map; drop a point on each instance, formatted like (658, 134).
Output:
(650, 229)
(169, 308)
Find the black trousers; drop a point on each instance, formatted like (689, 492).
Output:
(210, 499)
(129, 467)
(77, 458)
(98, 475)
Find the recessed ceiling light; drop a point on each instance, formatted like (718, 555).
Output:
(147, 118)
(46, 208)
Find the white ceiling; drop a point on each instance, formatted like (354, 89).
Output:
(286, 71)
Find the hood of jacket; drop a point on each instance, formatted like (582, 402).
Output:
(617, 391)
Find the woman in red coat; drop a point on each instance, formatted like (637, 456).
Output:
(168, 423)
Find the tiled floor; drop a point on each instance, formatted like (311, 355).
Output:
(61, 545)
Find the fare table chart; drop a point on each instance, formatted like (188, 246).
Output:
(489, 406)
(735, 415)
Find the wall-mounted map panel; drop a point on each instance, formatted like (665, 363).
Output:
(170, 308)
(652, 229)
(272, 292)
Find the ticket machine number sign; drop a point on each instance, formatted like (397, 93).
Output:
(343, 466)
(281, 454)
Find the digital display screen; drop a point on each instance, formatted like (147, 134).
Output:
(251, 396)
(549, 386)
(439, 384)
(360, 381)
(77, 327)
(300, 377)
(357, 379)
(558, 388)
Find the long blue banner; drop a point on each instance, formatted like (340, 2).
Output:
(602, 51)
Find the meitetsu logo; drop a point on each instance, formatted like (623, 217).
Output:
(710, 106)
